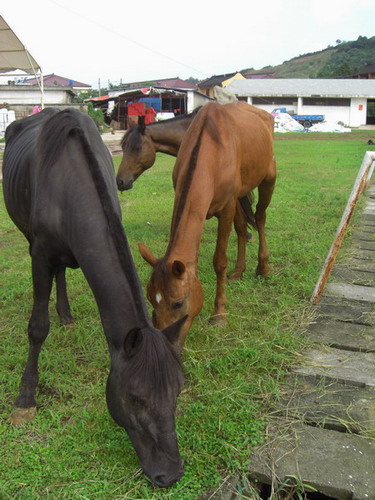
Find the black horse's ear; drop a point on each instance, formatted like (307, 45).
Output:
(132, 342)
(172, 331)
(141, 124)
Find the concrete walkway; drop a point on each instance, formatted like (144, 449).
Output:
(323, 431)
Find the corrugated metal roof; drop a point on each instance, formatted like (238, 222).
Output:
(53, 79)
(303, 87)
(215, 80)
(175, 83)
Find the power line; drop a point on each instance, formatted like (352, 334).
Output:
(135, 42)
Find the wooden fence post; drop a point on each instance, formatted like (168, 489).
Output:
(364, 175)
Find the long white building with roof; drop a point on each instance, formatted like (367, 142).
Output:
(349, 101)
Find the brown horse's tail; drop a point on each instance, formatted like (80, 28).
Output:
(246, 205)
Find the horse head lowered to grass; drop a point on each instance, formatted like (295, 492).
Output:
(141, 143)
(225, 154)
(60, 190)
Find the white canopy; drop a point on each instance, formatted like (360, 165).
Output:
(14, 55)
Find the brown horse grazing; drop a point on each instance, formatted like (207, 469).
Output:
(141, 143)
(226, 153)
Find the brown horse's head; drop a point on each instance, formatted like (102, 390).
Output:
(138, 155)
(174, 291)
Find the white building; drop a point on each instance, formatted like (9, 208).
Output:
(350, 101)
(23, 98)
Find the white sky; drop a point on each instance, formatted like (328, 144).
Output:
(88, 40)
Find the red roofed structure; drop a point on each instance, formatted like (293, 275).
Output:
(60, 81)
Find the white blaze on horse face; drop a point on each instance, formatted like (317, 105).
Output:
(158, 298)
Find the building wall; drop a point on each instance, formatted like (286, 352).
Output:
(194, 100)
(333, 114)
(33, 97)
(358, 112)
(23, 110)
(353, 115)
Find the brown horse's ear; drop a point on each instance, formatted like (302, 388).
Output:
(147, 254)
(141, 124)
(172, 332)
(178, 268)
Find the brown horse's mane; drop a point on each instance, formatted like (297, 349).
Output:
(205, 122)
(132, 138)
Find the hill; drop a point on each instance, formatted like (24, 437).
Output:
(341, 61)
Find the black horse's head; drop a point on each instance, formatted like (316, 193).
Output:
(142, 389)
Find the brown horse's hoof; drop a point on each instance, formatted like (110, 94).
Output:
(21, 416)
(236, 275)
(218, 320)
(262, 272)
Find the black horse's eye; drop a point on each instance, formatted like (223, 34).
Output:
(178, 304)
(134, 399)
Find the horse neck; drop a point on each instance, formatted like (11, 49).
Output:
(189, 216)
(100, 246)
(117, 291)
(167, 136)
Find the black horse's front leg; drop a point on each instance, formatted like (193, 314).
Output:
(37, 332)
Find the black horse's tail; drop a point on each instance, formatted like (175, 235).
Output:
(246, 203)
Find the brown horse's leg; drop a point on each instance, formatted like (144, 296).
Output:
(38, 331)
(240, 226)
(265, 191)
(220, 262)
(62, 304)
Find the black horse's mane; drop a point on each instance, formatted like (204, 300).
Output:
(132, 137)
(154, 370)
(161, 361)
(53, 139)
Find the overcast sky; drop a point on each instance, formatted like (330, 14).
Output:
(88, 40)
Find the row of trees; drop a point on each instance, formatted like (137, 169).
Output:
(349, 57)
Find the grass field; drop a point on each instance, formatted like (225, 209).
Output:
(73, 450)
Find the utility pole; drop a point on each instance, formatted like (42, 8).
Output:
(99, 86)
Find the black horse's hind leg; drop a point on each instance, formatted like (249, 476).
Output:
(62, 304)
(37, 332)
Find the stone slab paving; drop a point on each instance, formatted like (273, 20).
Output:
(353, 292)
(329, 404)
(323, 430)
(337, 464)
(343, 335)
(356, 368)
(354, 275)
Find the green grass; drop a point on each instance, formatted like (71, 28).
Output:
(72, 449)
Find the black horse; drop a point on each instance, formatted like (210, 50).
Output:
(60, 190)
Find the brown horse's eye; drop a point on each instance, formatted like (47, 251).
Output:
(177, 305)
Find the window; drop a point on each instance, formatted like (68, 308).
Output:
(325, 101)
(275, 100)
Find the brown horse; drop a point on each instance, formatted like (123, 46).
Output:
(226, 153)
(141, 143)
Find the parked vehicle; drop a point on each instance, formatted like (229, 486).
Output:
(306, 120)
